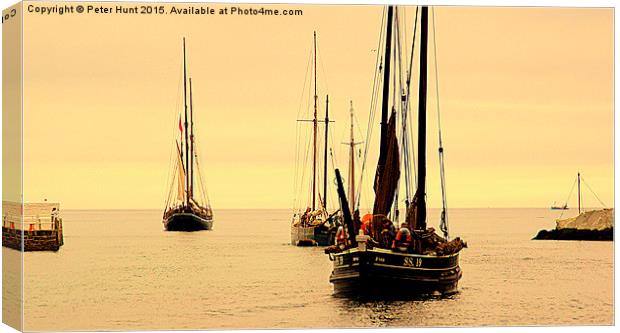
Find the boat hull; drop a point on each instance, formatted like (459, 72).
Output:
(311, 236)
(386, 274)
(187, 222)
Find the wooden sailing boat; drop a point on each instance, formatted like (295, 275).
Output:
(314, 225)
(187, 206)
(378, 264)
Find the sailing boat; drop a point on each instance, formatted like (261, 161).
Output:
(420, 262)
(187, 206)
(314, 225)
(554, 207)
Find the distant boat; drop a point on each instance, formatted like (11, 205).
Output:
(187, 206)
(314, 224)
(375, 263)
(554, 207)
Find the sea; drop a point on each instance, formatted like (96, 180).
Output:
(119, 270)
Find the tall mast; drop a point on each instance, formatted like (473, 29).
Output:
(579, 192)
(421, 190)
(386, 81)
(325, 153)
(187, 188)
(352, 165)
(315, 121)
(191, 140)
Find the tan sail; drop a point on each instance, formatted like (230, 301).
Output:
(180, 176)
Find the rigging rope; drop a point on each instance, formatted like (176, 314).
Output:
(320, 59)
(296, 183)
(410, 144)
(596, 196)
(569, 195)
(172, 165)
(202, 187)
(305, 139)
(442, 174)
(404, 87)
(373, 103)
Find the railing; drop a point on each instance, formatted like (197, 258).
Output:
(32, 222)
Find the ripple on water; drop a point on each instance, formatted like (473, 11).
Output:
(232, 278)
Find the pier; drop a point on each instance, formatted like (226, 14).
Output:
(38, 228)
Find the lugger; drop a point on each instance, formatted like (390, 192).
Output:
(377, 258)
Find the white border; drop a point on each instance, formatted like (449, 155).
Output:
(508, 3)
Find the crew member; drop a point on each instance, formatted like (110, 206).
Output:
(304, 217)
(341, 238)
(54, 214)
(403, 237)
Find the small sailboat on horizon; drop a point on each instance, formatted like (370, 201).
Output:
(187, 207)
(555, 207)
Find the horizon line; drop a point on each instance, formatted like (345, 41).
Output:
(275, 208)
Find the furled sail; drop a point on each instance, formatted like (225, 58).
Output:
(181, 191)
(388, 171)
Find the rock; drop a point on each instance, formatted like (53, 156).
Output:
(592, 220)
(593, 225)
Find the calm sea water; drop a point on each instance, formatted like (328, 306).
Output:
(119, 271)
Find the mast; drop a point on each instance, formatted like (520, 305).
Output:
(315, 121)
(191, 140)
(325, 153)
(187, 188)
(421, 190)
(579, 192)
(386, 81)
(346, 213)
(352, 164)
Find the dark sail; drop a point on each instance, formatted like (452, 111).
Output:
(388, 172)
(386, 84)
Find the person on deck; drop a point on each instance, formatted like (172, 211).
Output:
(366, 220)
(403, 237)
(357, 222)
(341, 238)
(387, 232)
(304, 217)
(54, 214)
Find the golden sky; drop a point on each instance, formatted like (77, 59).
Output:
(526, 101)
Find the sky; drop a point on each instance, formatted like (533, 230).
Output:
(526, 99)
